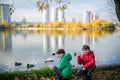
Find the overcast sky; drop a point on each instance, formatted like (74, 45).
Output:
(27, 9)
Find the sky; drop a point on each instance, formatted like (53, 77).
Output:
(28, 9)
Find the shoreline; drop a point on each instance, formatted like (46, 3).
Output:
(30, 28)
(102, 72)
(104, 66)
(101, 67)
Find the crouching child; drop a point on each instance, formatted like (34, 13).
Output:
(63, 70)
(87, 59)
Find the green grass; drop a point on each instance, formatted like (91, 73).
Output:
(101, 73)
(33, 74)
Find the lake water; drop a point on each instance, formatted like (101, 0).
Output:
(35, 46)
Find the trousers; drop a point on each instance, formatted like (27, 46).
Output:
(58, 74)
(87, 72)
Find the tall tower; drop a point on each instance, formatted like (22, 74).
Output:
(5, 13)
(95, 16)
(5, 10)
(46, 17)
(61, 15)
(54, 14)
(87, 17)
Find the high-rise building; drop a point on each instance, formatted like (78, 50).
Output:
(5, 13)
(61, 15)
(87, 17)
(46, 17)
(95, 16)
(54, 14)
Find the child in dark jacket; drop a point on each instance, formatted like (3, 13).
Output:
(63, 70)
(87, 59)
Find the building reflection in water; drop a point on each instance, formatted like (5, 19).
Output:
(6, 40)
(52, 43)
(61, 40)
(86, 39)
(46, 43)
(90, 40)
(1, 41)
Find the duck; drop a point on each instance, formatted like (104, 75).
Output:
(18, 63)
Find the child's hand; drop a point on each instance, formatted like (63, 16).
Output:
(84, 69)
(81, 54)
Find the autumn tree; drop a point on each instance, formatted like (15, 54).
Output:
(44, 4)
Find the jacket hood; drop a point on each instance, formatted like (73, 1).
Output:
(68, 56)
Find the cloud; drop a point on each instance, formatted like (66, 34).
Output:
(75, 10)
(5, 1)
(27, 8)
(30, 15)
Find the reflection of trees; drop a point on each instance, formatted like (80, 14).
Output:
(92, 33)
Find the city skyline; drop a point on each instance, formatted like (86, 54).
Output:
(75, 9)
(52, 15)
(89, 16)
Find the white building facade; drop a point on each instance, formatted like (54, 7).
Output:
(5, 13)
(95, 16)
(5, 10)
(88, 16)
(46, 16)
(52, 15)
(61, 15)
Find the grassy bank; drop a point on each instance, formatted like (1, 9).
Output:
(108, 72)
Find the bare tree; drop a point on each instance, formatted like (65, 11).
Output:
(111, 10)
(117, 8)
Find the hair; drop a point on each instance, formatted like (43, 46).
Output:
(61, 51)
(85, 47)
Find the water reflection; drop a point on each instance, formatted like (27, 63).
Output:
(53, 43)
(6, 40)
(34, 46)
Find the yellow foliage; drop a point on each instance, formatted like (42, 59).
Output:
(5, 23)
(96, 24)
(95, 33)
(101, 24)
(27, 25)
(57, 24)
(36, 25)
(6, 33)
(87, 26)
